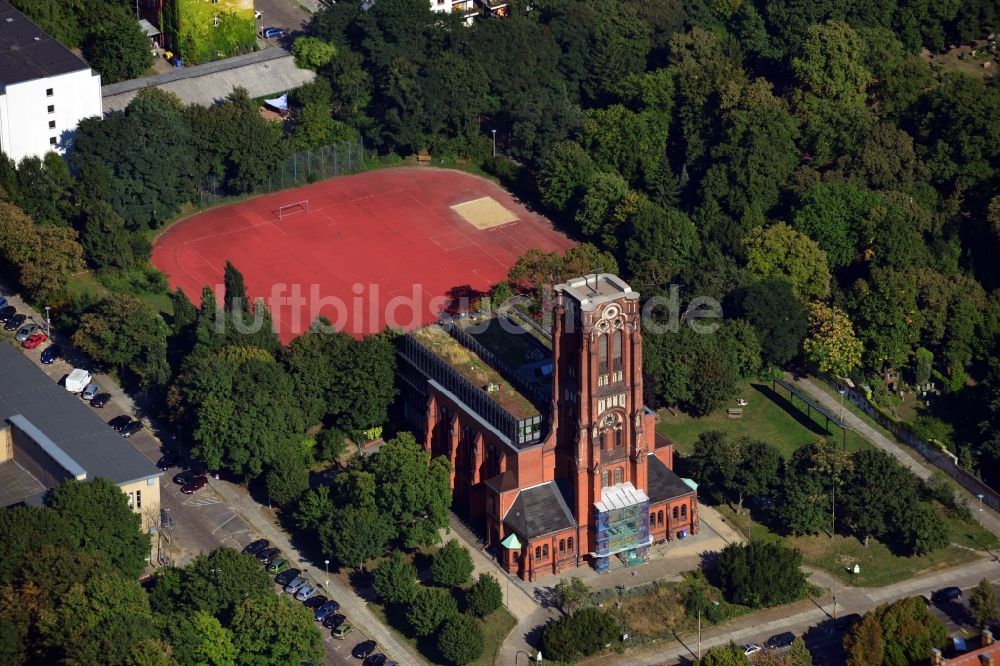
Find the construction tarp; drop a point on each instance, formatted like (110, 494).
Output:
(280, 103)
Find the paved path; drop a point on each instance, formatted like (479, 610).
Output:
(353, 606)
(900, 452)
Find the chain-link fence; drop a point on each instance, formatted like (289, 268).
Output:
(307, 166)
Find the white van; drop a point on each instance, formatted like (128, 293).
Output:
(77, 380)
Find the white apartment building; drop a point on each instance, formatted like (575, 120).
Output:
(467, 8)
(45, 90)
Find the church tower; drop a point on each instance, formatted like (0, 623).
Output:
(601, 458)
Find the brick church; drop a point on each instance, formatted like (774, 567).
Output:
(555, 457)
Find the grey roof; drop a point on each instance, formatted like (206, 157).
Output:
(597, 288)
(27, 52)
(67, 421)
(538, 511)
(663, 483)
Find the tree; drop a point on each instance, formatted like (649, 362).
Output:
(799, 655)
(452, 565)
(431, 607)
(99, 520)
(887, 317)
(395, 580)
(781, 252)
(461, 640)
(902, 632)
(760, 574)
(42, 189)
(314, 507)
(864, 644)
(839, 217)
(661, 243)
(724, 655)
(236, 300)
(43, 258)
(118, 48)
(596, 215)
(923, 361)
(831, 344)
(356, 535)
(579, 634)
(312, 52)
(778, 316)
(983, 604)
(106, 242)
(199, 639)
(485, 595)
(215, 582)
(287, 479)
(563, 176)
(330, 444)
(923, 529)
(126, 333)
(272, 629)
(571, 593)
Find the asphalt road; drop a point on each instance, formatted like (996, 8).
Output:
(286, 14)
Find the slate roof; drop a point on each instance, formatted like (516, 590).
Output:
(67, 421)
(663, 483)
(538, 511)
(27, 52)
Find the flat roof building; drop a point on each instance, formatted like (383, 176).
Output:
(45, 90)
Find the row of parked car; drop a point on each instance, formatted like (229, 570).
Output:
(324, 609)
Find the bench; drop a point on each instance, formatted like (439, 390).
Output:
(423, 158)
(734, 413)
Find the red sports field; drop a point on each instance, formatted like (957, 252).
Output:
(379, 248)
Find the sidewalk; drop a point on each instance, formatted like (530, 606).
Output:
(353, 606)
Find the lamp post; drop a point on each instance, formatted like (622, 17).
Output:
(48, 323)
(980, 496)
(326, 566)
(494, 143)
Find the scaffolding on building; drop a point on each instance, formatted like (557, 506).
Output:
(621, 526)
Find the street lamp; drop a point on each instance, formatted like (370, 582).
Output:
(494, 143)
(980, 496)
(48, 323)
(326, 565)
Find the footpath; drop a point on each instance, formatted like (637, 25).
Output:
(353, 606)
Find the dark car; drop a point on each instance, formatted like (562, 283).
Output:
(14, 322)
(255, 547)
(363, 649)
(7, 312)
(132, 428)
(334, 620)
(376, 660)
(286, 576)
(194, 485)
(265, 556)
(779, 641)
(100, 399)
(120, 422)
(184, 478)
(946, 594)
(315, 601)
(167, 460)
(325, 609)
(51, 353)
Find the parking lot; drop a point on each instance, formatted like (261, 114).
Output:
(286, 14)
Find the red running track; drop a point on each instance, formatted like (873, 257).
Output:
(378, 248)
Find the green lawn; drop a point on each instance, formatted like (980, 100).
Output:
(879, 565)
(769, 416)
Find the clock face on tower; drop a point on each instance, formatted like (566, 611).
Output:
(609, 420)
(611, 312)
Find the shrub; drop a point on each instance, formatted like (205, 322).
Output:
(395, 580)
(725, 655)
(431, 607)
(452, 565)
(287, 480)
(580, 634)
(461, 640)
(485, 596)
(760, 574)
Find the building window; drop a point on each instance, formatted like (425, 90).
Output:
(602, 404)
(604, 479)
(138, 499)
(675, 513)
(53, 141)
(545, 551)
(659, 517)
(52, 108)
(652, 519)
(618, 438)
(619, 475)
(52, 124)
(131, 501)
(684, 510)
(602, 353)
(616, 349)
(569, 545)
(515, 556)
(538, 552)
(49, 92)
(562, 547)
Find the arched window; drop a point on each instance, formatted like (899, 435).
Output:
(545, 551)
(538, 552)
(652, 519)
(569, 545)
(618, 437)
(562, 547)
(675, 513)
(619, 475)
(605, 479)
(602, 353)
(659, 517)
(616, 350)
(684, 510)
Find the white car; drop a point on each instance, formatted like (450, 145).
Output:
(305, 592)
(91, 390)
(751, 648)
(295, 585)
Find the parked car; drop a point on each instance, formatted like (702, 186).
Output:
(92, 390)
(3, 301)
(194, 485)
(167, 460)
(341, 630)
(946, 594)
(325, 610)
(277, 566)
(751, 648)
(306, 592)
(131, 429)
(183, 478)
(274, 33)
(268, 555)
(120, 422)
(375, 660)
(51, 353)
(286, 576)
(255, 547)
(315, 601)
(34, 340)
(26, 331)
(100, 400)
(14, 322)
(363, 649)
(295, 584)
(7, 312)
(779, 641)
(334, 620)
(77, 380)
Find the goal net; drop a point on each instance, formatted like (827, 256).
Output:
(292, 209)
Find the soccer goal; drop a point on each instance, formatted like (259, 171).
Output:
(292, 209)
